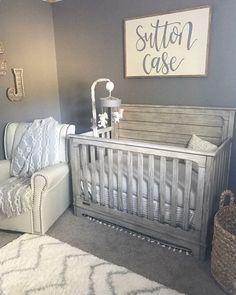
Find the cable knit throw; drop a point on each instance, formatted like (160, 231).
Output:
(37, 149)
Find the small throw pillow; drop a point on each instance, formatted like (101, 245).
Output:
(198, 144)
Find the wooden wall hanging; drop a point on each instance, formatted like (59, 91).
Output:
(170, 44)
(17, 93)
(3, 63)
(3, 67)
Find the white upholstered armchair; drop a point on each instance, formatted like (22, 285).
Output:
(50, 186)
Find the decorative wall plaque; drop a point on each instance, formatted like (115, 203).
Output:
(3, 67)
(171, 44)
(17, 93)
(3, 63)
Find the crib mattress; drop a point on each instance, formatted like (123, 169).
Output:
(134, 204)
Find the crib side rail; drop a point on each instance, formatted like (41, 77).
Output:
(147, 148)
(222, 166)
(216, 181)
(217, 175)
(102, 133)
(91, 152)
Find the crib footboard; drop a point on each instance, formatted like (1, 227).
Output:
(160, 191)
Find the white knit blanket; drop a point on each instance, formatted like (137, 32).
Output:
(15, 196)
(37, 149)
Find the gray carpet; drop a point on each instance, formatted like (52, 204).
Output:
(175, 270)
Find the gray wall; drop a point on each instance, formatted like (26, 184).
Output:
(28, 35)
(89, 45)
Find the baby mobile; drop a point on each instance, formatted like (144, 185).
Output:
(108, 102)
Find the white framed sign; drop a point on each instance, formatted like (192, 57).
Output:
(172, 44)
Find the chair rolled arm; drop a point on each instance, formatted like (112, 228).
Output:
(47, 178)
(4, 169)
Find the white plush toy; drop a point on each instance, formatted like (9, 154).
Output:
(117, 116)
(103, 120)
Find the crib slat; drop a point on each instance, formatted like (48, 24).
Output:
(221, 169)
(84, 160)
(217, 176)
(187, 190)
(101, 174)
(199, 197)
(214, 182)
(227, 164)
(174, 190)
(219, 159)
(150, 191)
(76, 172)
(216, 173)
(162, 197)
(225, 168)
(109, 135)
(140, 185)
(119, 180)
(224, 184)
(110, 178)
(93, 174)
(130, 182)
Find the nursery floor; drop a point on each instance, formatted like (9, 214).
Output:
(175, 270)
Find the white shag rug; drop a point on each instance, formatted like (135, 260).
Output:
(35, 264)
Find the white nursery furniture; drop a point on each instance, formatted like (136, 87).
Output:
(50, 186)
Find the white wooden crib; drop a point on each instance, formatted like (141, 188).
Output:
(141, 175)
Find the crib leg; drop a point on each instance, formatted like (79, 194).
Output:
(202, 253)
(199, 252)
(77, 211)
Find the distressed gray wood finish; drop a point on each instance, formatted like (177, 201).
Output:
(84, 161)
(158, 124)
(140, 184)
(76, 173)
(162, 195)
(119, 180)
(175, 125)
(174, 190)
(93, 166)
(150, 186)
(110, 178)
(187, 191)
(130, 182)
(101, 174)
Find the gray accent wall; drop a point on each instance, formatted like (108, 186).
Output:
(89, 45)
(26, 29)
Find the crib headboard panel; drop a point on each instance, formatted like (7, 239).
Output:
(174, 125)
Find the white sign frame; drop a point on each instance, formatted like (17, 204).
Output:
(173, 44)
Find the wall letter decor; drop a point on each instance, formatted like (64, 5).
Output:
(173, 44)
(17, 93)
(3, 67)
(3, 63)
